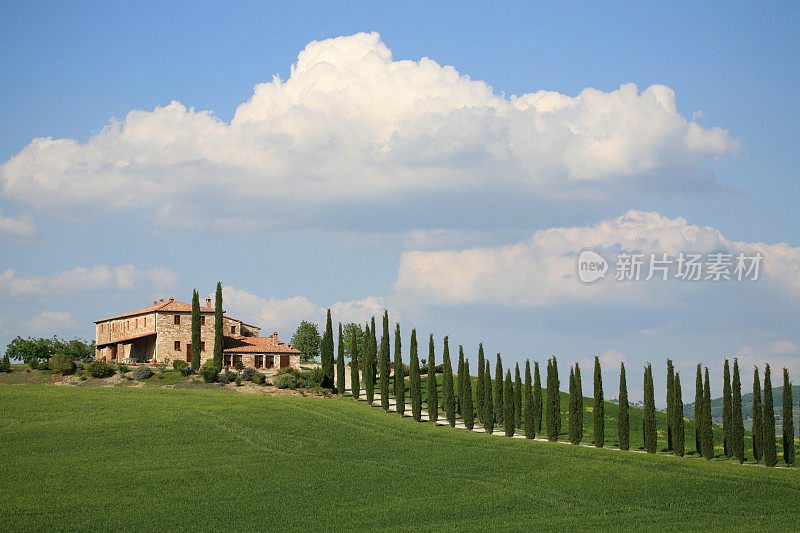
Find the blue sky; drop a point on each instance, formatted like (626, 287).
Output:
(371, 183)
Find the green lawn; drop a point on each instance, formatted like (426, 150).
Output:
(158, 459)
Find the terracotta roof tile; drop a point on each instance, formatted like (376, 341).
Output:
(168, 306)
(240, 344)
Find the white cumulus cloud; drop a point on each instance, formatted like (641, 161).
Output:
(542, 269)
(83, 279)
(24, 226)
(352, 123)
(51, 322)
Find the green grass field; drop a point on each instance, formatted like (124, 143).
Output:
(157, 459)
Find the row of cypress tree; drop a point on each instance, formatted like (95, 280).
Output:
(508, 403)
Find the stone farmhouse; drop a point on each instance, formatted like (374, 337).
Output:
(162, 333)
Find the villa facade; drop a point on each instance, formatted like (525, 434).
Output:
(162, 333)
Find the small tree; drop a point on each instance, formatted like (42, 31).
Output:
(195, 351)
(650, 430)
(466, 402)
(708, 428)
(553, 410)
(461, 379)
(219, 338)
(529, 424)
(306, 339)
(498, 391)
(599, 406)
(340, 379)
(355, 381)
(758, 418)
(508, 405)
(399, 374)
(326, 353)
(698, 411)
(574, 433)
(433, 395)
(670, 405)
(385, 362)
(678, 435)
(352, 332)
(479, 392)
(537, 398)
(366, 366)
(788, 420)
(770, 454)
(623, 427)
(726, 409)
(447, 386)
(488, 404)
(5, 364)
(737, 424)
(517, 397)
(415, 386)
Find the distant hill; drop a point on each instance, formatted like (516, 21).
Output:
(747, 406)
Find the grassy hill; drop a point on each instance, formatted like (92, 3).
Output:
(156, 459)
(747, 405)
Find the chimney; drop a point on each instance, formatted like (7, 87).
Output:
(155, 302)
(275, 338)
(172, 299)
(161, 300)
(208, 301)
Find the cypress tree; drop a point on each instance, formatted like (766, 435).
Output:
(737, 424)
(670, 405)
(623, 427)
(385, 362)
(650, 430)
(488, 404)
(466, 402)
(599, 406)
(678, 435)
(517, 398)
(498, 391)
(414, 381)
(768, 428)
(461, 380)
(355, 382)
(758, 419)
(698, 411)
(479, 394)
(326, 353)
(529, 424)
(508, 405)
(219, 338)
(195, 331)
(399, 374)
(373, 352)
(553, 410)
(726, 409)
(433, 393)
(708, 428)
(448, 403)
(578, 400)
(573, 407)
(537, 398)
(788, 420)
(340, 383)
(366, 367)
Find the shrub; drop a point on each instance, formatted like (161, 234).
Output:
(182, 367)
(82, 378)
(44, 365)
(5, 364)
(99, 369)
(209, 371)
(141, 373)
(62, 364)
(313, 377)
(248, 373)
(121, 368)
(33, 363)
(238, 381)
(286, 381)
(259, 378)
(238, 366)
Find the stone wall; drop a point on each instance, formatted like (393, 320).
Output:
(168, 332)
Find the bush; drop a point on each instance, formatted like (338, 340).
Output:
(182, 367)
(121, 368)
(313, 377)
(209, 371)
(44, 365)
(62, 364)
(238, 366)
(99, 369)
(238, 381)
(286, 381)
(141, 373)
(259, 378)
(248, 373)
(5, 364)
(33, 363)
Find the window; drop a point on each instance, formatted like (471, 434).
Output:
(202, 346)
(233, 330)
(259, 360)
(177, 346)
(202, 320)
(270, 361)
(145, 321)
(176, 320)
(227, 359)
(129, 325)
